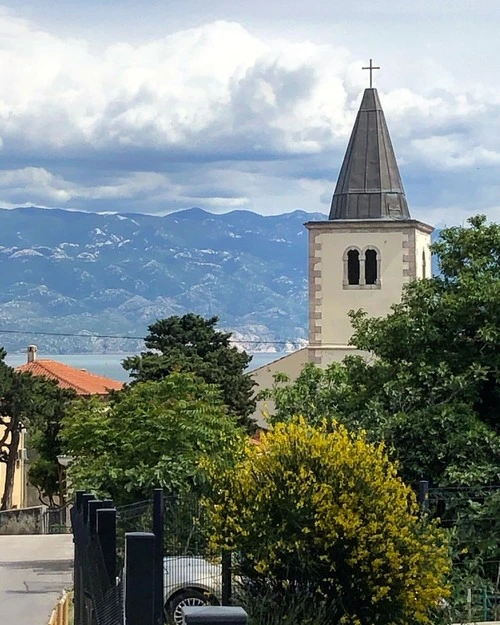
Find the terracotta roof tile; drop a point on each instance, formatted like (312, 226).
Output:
(82, 382)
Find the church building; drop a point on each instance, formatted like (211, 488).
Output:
(365, 253)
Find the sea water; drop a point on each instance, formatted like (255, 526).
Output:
(110, 365)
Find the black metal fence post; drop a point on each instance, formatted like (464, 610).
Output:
(86, 497)
(226, 578)
(423, 496)
(77, 573)
(106, 531)
(94, 506)
(139, 578)
(158, 520)
(86, 605)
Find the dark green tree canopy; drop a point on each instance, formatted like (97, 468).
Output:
(193, 344)
(450, 322)
(45, 472)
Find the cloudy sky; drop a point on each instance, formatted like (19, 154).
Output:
(110, 105)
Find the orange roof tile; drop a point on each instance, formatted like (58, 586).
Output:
(82, 382)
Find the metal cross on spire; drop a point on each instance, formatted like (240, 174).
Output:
(371, 67)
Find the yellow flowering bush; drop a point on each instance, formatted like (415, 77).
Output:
(323, 512)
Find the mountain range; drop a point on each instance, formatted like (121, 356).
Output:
(82, 273)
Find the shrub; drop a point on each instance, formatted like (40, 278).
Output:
(266, 606)
(323, 514)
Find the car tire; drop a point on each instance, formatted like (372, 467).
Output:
(183, 599)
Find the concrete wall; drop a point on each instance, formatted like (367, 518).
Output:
(291, 364)
(31, 520)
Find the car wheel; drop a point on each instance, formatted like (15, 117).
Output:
(183, 600)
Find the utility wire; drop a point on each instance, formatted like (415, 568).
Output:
(85, 336)
(126, 337)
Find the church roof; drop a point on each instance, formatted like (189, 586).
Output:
(369, 185)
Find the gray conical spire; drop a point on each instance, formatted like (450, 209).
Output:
(369, 185)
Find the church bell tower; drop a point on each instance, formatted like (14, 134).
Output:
(370, 247)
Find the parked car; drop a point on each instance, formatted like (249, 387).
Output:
(190, 581)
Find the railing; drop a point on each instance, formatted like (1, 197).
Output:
(470, 516)
(60, 614)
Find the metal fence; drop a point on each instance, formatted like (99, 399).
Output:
(183, 571)
(195, 574)
(135, 517)
(98, 591)
(470, 517)
(156, 554)
(118, 575)
(57, 520)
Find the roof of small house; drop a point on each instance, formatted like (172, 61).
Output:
(79, 380)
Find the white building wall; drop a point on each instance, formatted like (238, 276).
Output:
(399, 246)
(291, 365)
(422, 245)
(338, 299)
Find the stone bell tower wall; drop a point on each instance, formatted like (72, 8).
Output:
(400, 247)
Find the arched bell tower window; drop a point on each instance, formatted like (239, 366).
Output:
(424, 265)
(353, 272)
(362, 268)
(371, 267)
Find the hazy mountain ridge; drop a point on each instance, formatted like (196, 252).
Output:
(77, 272)
(114, 274)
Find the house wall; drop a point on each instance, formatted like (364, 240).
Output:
(325, 356)
(18, 497)
(264, 377)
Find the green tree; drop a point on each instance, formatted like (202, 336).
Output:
(431, 388)
(34, 404)
(150, 434)
(191, 343)
(322, 512)
(45, 472)
(449, 322)
(431, 432)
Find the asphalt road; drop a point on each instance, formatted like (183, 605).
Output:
(33, 572)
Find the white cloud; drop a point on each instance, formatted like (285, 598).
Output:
(449, 152)
(223, 118)
(442, 216)
(38, 181)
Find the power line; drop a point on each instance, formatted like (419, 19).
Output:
(127, 337)
(72, 334)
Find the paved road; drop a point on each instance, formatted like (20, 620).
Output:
(33, 572)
